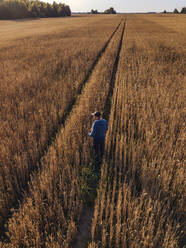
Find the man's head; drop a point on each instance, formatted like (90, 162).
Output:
(97, 115)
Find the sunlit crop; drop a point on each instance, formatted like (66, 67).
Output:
(132, 69)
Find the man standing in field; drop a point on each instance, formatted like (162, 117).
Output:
(98, 132)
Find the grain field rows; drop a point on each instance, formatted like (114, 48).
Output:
(51, 209)
(52, 193)
(140, 200)
(37, 92)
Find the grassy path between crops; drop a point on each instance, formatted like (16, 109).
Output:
(84, 230)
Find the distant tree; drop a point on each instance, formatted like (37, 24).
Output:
(67, 10)
(110, 11)
(183, 11)
(94, 11)
(13, 10)
(34, 11)
(42, 9)
(64, 10)
(49, 10)
(55, 8)
(164, 11)
(5, 12)
(176, 11)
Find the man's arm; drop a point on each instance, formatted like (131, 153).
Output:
(93, 130)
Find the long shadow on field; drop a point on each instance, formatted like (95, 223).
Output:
(109, 97)
(170, 204)
(16, 203)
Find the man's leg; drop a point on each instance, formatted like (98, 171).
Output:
(96, 149)
(102, 148)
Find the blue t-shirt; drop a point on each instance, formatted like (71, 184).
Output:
(99, 129)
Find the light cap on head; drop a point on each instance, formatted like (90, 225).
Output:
(96, 114)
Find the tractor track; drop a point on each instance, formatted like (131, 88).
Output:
(84, 228)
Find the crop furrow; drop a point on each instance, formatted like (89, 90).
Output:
(107, 107)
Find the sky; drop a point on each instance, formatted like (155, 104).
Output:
(124, 5)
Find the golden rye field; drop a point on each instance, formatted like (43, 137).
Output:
(59, 182)
(40, 80)
(50, 83)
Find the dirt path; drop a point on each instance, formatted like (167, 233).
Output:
(84, 230)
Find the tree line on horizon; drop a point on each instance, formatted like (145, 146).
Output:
(19, 9)
(111, 10)
(183, 11)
